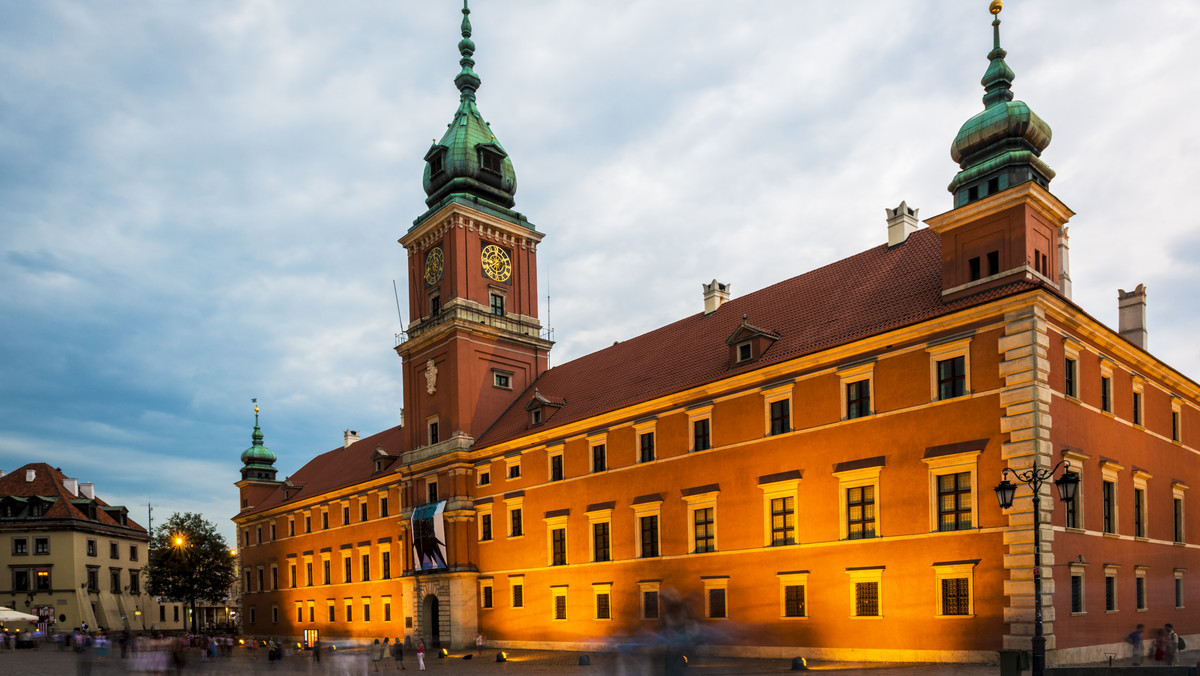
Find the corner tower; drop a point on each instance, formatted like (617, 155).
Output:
(1006, 225)
(258, 469)
(474, 342)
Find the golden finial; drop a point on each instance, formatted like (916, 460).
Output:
(996, 6)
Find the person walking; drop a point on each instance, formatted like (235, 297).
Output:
(376, 653)
(479, 644)
(421, 655)
(1172, 645)
(398, 653)
(1135, 639)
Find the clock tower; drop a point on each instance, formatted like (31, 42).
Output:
(475, 341)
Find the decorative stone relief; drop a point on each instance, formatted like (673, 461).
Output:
(431, 371)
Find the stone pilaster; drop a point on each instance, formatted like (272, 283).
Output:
(1025, 397)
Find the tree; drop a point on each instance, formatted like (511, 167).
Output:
(189, 562)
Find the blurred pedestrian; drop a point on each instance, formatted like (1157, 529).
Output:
(421, 655)
(398, 653)
(1135, 639)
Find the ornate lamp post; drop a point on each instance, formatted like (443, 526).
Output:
(1005, 492)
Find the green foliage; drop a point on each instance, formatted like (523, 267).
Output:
(197, 567)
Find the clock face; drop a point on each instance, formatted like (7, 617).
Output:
(496, 263)
(434, 265)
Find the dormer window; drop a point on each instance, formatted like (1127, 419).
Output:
(745, 351)
(436, 158)
(536, 416)
(541, 407)
(490, 160)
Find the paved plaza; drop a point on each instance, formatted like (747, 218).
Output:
(49, 660)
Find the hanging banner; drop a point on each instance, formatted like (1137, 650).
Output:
(429, 536)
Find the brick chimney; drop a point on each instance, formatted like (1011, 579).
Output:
(715, 295)
(349, 437)
(901, 222)
(1131, 316)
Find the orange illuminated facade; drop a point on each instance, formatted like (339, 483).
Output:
(807, 468)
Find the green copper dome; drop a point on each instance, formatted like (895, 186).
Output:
(468, 159)
(258, 456)
(1001, 146)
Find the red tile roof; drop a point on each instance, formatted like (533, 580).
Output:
(341, 467)
(48, 483)
(866, 294)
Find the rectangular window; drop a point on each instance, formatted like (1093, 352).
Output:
(366, 608)
(485, 478)
(1106, 394)
(383, 506)
(1110, 506)
(307, 524)
(1110, 593)
(1070, 377)
(387, 609)
(274, 614)
(954, 501)
(646, 445)
(648, 527)
(349, 610)
(860, 512)
(20, 546)
(518, 595)
(42, 546)
(431, 492)
(1137, 408)
(716, 603)
(601, 543)
(1178, 589)
(91, 545)
(701, 433)
(650, 604)
(292, 570)
(434, 437)
(502, 380)
(516, 523)
(956, 596)
(308, 576)
(133, 553)
(291, 528)
(705, 531)
(497, 304)
(328, 575)
(387, 565)
(258, 535)
(599, 458)
(1139, 518)
(274, 577)
(866, 599)
(556, 467)
(793, 601)
(20, 580)
(1174, 425)
(325, 520)
(781, 417)
(114, 580)
(93, 579)
(487, 596)
(114, 549)
(782, 521)
(560, 605)
(366, 567)
(346, 567)
(1072, 511)
(332, 612)
(135, 583)
(558, 547)
(1140, 591)
(362, 510)
(951, 378)
(603, 609)
(858, 399)
(1177, 505)
(272, 532)
(485, 527)
(1076, 593)
(514, 470)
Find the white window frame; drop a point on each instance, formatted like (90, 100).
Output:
(555, 451)
(942, 352)
(640, 429)
(710, 584)
(947, 571)
(1111, 471)
(854, 478)
(865, 575)
(653, 508)
(1071, 350)
(1080, 569)
(480, 511)
(1140, 479)
(599, 588)
(1139, 573)
(509, 463)
(854, 374)
(596, 517)
(707, 500)
(1106, 372)
(773, 394)
(554, 523)
(649, 586)
(791, 579)
(515, 581)
(1110, 570)
(497, 374)
(941, 466)
(696, 415)
(786, 488)
(1179, 492)
(511, 504)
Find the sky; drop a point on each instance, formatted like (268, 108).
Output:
(200, 201)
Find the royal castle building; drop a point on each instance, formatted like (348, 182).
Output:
(806, 469)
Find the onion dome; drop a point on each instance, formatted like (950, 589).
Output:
(259, 460)
(468, 159)
(1001, 146)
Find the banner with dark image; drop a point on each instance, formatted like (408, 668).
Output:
(429, 536)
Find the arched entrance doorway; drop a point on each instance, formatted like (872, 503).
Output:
(432, 625)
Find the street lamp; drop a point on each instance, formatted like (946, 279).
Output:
(1034, 477)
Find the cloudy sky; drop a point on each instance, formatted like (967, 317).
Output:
(200, 201)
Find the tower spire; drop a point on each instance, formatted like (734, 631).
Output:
(997, 81)
(466, 81)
